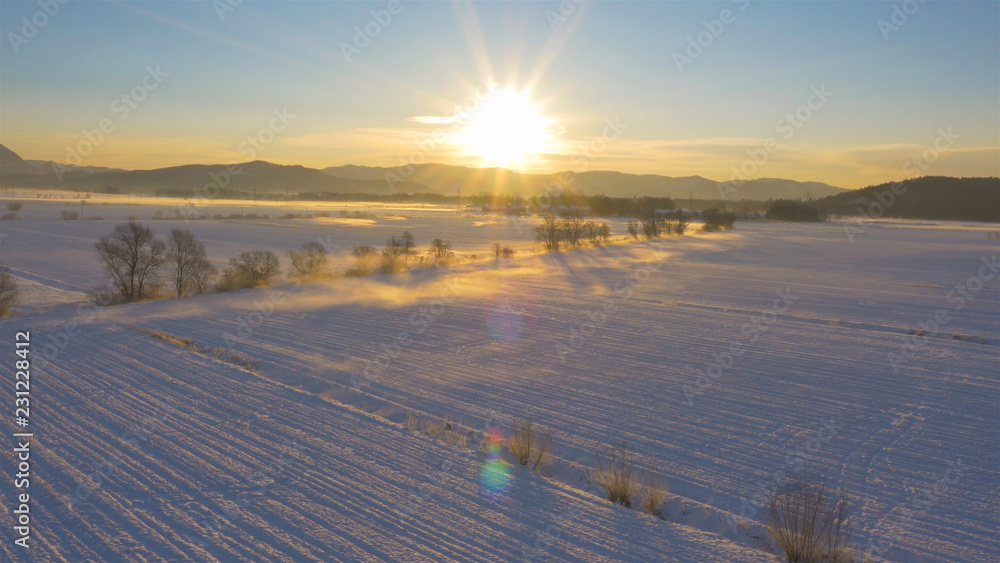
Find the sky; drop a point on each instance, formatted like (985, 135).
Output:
(847, 93)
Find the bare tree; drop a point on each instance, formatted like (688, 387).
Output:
(633, 229)
(187, 254)
(408, 243)
(603, 232)
(573, 231)
(393, 247)
(808, 522)
(549, 233)
(441, 249)
(202, 275)
(651, 225)
(253, 268)
(497, 249)
(681, 222)
(9, 295)
(132, 256)
(309, 260)
(394, 255)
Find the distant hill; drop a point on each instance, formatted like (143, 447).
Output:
(448, 179)
(12, 165)
(263, 176)
(929, 197)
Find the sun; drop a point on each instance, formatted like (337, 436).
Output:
(506, 130)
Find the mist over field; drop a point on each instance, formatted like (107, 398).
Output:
(500, 281)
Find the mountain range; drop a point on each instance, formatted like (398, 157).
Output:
(265, 177)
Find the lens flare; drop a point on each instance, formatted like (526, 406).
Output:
(505, 323)
(495, 472)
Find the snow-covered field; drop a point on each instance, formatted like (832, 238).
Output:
(150, 452)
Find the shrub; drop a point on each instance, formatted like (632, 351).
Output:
(529, 443)
(9, 295)
(653, 497)
(441, 250)
(434, 428)
(412, 420)
(365, 255)
(8, 217)
(253, 268)
(597, 232)
(680, 223)
(14, 206)
(616, 472)
(102, 296)
(309, 260)
(808, 522)
(633, 229)
(651, 225)
(716, 220)
(69, 215)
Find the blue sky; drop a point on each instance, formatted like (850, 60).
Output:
(891, 94)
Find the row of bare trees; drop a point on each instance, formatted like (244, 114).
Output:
(654, 225)
(133, 258)
(570, 232)
(139, 264)
(396, 253)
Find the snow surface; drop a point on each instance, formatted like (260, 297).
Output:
(317, 442)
